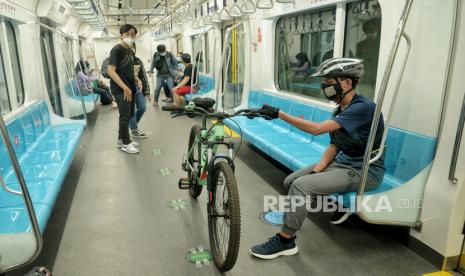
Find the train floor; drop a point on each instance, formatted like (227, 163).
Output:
(113, 216)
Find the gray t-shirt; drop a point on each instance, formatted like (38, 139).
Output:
(356, 121)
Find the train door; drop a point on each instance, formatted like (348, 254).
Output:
(50, 70)
(234, 65)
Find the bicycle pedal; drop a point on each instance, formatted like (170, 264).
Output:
(184, 183)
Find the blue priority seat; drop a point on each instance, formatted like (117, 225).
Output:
(45, 152)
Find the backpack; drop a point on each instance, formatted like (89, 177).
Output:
(104, 69)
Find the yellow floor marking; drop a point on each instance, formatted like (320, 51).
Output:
(439, 273)
(228, 131)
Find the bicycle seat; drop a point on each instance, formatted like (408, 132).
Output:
(205, 103)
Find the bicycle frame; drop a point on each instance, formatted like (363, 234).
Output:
(210, 140)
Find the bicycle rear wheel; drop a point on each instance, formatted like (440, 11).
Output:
(194, 159)
(224, 217)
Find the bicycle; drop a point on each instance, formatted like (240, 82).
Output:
(206, 167)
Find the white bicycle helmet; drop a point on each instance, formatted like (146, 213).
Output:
(340, 67)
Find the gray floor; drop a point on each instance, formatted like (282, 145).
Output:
(112, 218)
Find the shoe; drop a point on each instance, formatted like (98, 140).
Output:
(138, 134)
(164, 100)
(155, 103)
(169, 100)
(274, 248)
(129, 148)
(120, 143)
(339, 217)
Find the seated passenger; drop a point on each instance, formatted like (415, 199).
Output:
(340, 166)
(303, 64)
(85, 84)
(185, 86)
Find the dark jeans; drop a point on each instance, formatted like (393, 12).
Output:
(167, 90)
(160, 81)
(105, 97)
(141, 106)
(126, 111)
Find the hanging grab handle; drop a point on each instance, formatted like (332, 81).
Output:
(458, 140)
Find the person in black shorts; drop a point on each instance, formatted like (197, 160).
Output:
(123, 84)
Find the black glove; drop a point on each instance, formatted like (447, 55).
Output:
(269, 112)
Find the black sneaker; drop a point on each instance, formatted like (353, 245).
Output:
(274, 248)
(339, 217)
(138, 134)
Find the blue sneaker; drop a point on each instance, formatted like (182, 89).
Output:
(274, 248)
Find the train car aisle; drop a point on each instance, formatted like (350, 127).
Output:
(118, 216)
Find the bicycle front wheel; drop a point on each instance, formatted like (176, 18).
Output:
(224, 218)
(194, 159)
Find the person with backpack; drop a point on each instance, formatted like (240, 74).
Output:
(123, 85)
(167, 68)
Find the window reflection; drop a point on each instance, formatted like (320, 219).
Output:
(303, 42)
(363, 30)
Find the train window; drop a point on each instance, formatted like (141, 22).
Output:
(363, 29)
(5, 106)
(15, 64)
(50, 70)
(303, 42)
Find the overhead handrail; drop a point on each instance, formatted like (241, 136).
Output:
(285, 1)
(264, 4)
(24, 193)
(458, 140)
(379, 103)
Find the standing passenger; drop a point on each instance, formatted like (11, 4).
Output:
(123, 84)
(167, 68)
(143, 92)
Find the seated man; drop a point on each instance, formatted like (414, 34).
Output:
(185, 85)
(340, 166)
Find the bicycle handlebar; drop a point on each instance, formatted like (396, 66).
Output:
(173, 108)
(251, 113)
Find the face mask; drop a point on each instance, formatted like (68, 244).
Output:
(332, 91)
(129, 41)
(163, 54)
(179, 59)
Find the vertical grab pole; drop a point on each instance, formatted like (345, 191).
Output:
(25, 192)
(379, 104)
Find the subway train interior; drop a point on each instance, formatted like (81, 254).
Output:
(237, 137)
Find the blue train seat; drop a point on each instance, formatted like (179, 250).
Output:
(72, 90)
(407, 153)
(45, 152)
(206, 84)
